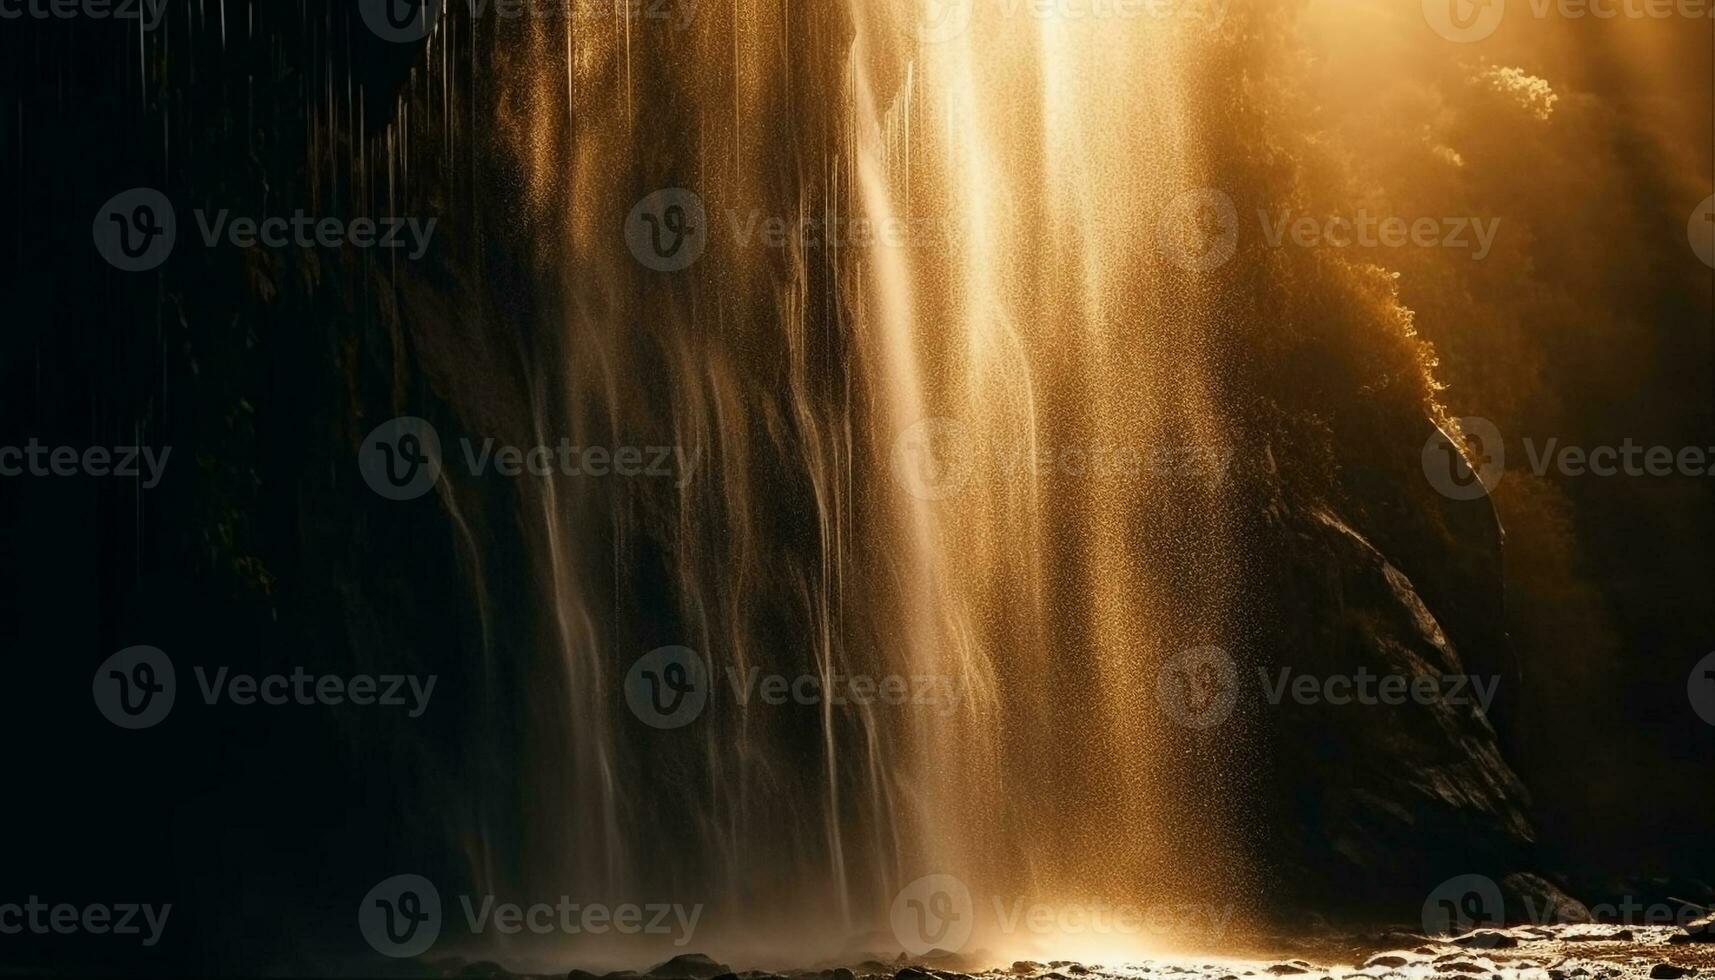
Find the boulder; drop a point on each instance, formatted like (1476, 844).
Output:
(1378, 802)
(1535, 900)
(690, 966)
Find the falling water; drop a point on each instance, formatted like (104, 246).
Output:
(905, 430)
(1046, 338)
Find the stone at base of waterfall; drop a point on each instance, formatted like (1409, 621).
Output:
(689, 966)
(1542, 902)
(1528, 952)
(1696, 931)
(1486, 939)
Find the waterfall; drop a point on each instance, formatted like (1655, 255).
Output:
(945, 386)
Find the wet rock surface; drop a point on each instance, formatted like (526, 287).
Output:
(1418, 791)
(1585, 951)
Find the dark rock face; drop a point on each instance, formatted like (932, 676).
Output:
(1531, 898)
(1413, 792)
